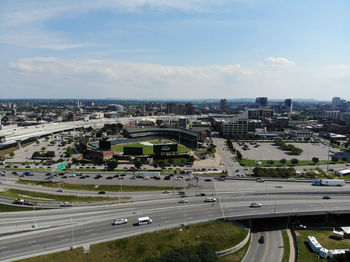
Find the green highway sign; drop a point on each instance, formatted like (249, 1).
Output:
(61, 166)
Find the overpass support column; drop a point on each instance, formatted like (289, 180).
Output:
(326, 218)
(18, 144)
(250, 223)
(289, 220)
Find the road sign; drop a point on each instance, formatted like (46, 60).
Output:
(61, 166)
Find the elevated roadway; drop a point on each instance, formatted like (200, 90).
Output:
(55, 229)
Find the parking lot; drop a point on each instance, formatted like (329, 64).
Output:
(268, 151)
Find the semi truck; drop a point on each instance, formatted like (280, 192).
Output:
(328, 182)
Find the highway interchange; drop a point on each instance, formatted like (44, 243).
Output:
(61, 228)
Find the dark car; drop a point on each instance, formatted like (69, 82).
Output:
(207, 180)
(109, 177)
(82, 177)
(101, 192)
(116, 175)
(261, 240)
(87, 176)
(167, 178)
(202, 194)
(326, 197)
(64, 177)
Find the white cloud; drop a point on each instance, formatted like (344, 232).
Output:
(278, 62)
(130, 79)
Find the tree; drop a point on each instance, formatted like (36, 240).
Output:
(239, 155)
(294, 161)
(43, 148)
(12, 154)
(270, 162)
(315, 160)
(335, 158)
(69, 151)
(159, 122)
(161, 164)
(111, 165)
(137, 164)
(37, 142)
(283, 161)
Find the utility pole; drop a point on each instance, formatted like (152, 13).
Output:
(73, 246)
(34, 225)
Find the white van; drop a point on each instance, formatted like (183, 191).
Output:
(144, 221)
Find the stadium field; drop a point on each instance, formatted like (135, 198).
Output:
(147, 147)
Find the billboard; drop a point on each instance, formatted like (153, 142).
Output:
(164, 148)
(132, 150)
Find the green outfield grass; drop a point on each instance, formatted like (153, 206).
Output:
(148, 150)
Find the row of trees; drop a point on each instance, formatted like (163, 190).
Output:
(274, 172)
(288, 147)
(47, 154)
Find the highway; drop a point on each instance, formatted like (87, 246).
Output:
(56, 228)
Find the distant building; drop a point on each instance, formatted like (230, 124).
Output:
(332, 114)
(223, 105)
(261, 101)
(260, 113)
(288, 105)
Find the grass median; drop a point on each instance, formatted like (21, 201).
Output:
(220, 235)
(236, 256)
(39, 196)
(110, 188)
(7, 208)
(286, 246)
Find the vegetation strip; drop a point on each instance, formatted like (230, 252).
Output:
(213, 236)
(110, 188)
(39, 196)
(286, 246)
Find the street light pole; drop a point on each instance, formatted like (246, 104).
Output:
(73, 246)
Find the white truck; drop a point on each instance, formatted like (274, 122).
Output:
(328, 182)
(144, 221)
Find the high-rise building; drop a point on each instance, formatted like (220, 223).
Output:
(288, 105)
(223, 105)
(336, 102)
(261, 101)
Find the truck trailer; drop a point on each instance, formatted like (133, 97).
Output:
(328, 182)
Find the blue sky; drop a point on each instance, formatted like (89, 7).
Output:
(174, 49)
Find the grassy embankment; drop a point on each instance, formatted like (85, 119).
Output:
(39, 196)
(5, 152)
(220, 235)
(305, 253)
(236, 256)
(110, 188)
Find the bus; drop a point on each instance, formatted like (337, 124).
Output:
(144, 221)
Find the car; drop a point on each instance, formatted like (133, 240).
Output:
(14, 173)
(260, 180)
(64, 177)
(87, 176)
(116, 175)
(72, 175)
(255, 205)
(121, 177)
(120, 221)
(183, 201)
(291, 179)
(65, 204)
(210, 199)
(207, 180)
(261, 240)
(166, 192)
(188, 179)
(326, 197)
(101, 192)
(202, 194)
(109, 177)
(60, 190)
(167, 178)
(82, 177)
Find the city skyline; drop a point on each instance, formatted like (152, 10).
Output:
(174, 49)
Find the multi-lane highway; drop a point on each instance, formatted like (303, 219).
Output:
(57, 228)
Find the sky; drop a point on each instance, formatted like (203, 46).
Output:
(175, 49)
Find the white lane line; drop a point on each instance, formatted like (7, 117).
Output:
(88, 230)
(61, 236)
(93, 234)
(30, 242)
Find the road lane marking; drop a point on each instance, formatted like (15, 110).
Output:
(266, 246)
(30, 242)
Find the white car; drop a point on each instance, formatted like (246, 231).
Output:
(255, 205)
(183, 201)
(60, 190)
(65, 204)
(210, 199)
(72, 175)
(120, 221)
